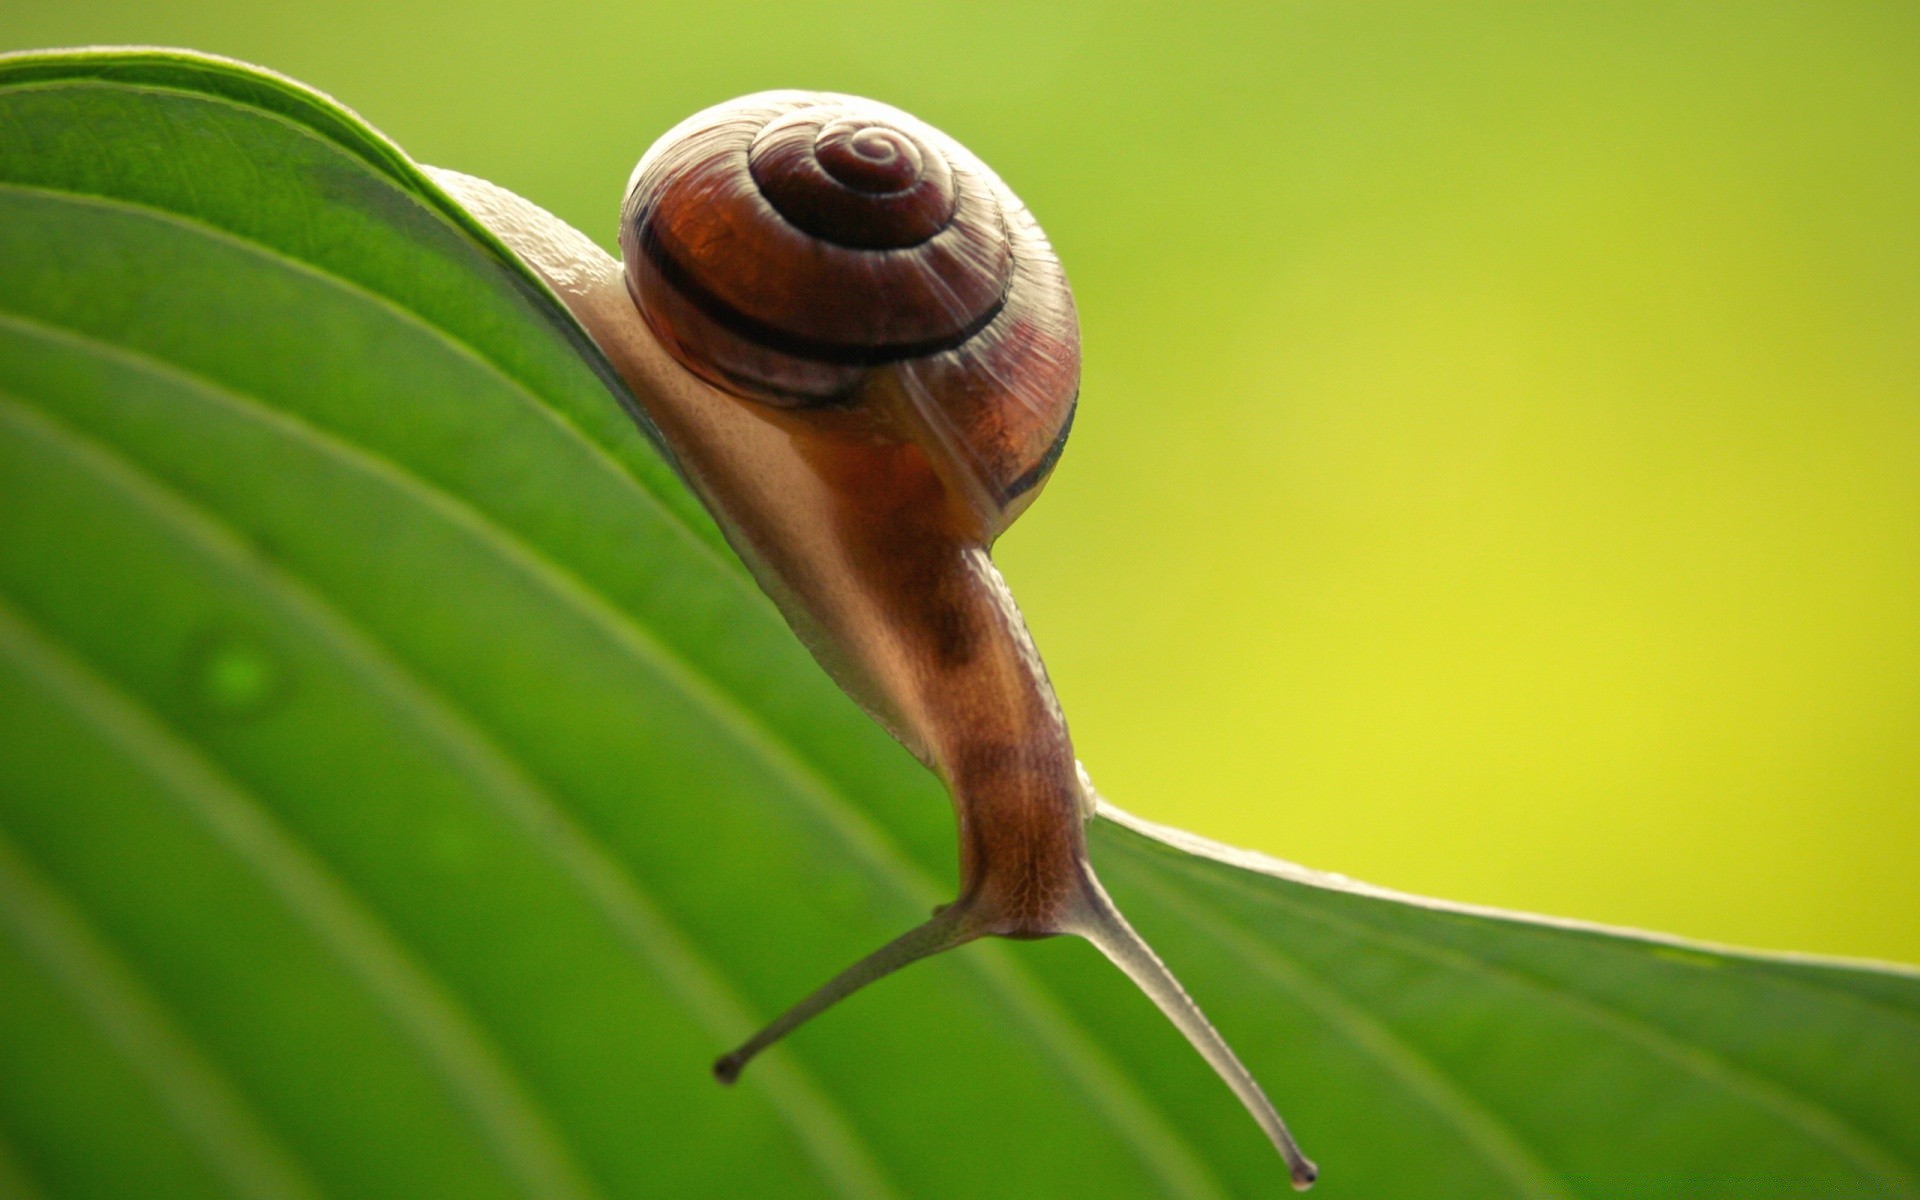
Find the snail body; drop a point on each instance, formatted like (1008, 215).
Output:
(914, 342)
(862, 354)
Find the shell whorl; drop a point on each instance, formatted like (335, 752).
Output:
(807, 249)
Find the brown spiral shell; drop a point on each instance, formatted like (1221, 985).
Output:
(807, 249)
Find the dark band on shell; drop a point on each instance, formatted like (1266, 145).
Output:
(793, 247)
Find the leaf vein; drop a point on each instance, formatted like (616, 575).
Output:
(1487, 1134)
(1104, 1084)
(461, 348)
(200, 1101)
(643, 927)
(446, 1036)
(1815, 1120)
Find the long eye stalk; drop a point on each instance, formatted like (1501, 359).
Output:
(1113, 937)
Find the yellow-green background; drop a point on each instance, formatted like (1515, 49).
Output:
(1499, 467)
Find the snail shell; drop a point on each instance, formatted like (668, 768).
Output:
(824, 253)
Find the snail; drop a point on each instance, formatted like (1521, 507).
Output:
(861, 353)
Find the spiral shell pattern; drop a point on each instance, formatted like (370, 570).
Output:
(801, 248)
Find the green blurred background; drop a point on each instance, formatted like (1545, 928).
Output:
(1499, 470)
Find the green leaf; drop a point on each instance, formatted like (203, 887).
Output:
(403, 792)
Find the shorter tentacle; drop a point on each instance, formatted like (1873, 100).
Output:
(954, 925)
